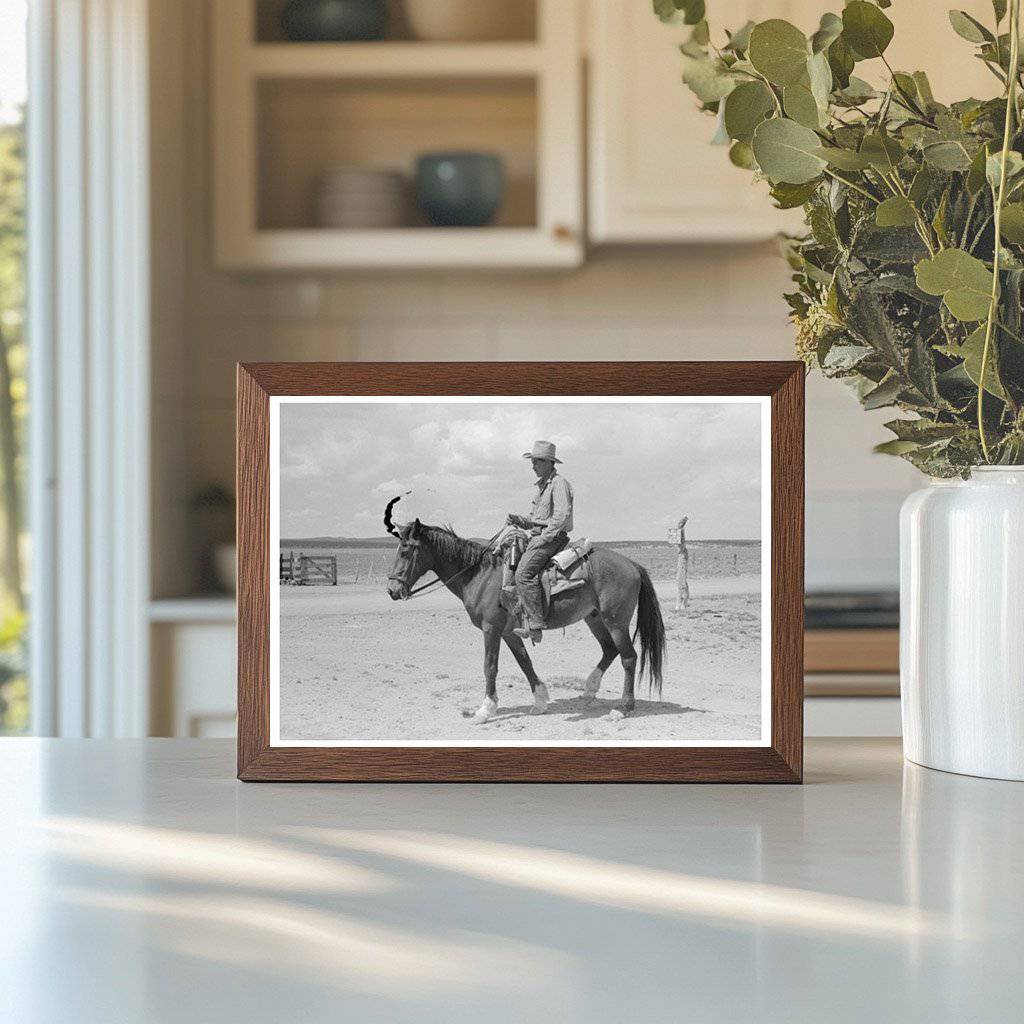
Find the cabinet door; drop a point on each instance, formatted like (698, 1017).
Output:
(654, 176)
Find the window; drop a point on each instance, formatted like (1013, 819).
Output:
(14, 690)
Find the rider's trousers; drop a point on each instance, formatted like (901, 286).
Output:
(532, 563)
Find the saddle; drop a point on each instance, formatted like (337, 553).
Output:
(567, 570)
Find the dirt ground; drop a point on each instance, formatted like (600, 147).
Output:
(357, 666)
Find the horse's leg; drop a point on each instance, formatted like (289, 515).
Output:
(627, 652)
(522, 655)
(609, 652)
(492, 648)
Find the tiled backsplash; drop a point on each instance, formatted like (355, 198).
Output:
(689, 304)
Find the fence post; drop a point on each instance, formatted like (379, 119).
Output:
(682, 569)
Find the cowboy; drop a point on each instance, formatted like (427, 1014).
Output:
(549, 523)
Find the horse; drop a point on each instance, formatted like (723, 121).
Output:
(617, 588)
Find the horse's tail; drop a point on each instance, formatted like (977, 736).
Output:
(651, 629)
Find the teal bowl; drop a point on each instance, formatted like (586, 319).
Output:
(460, 189)
(334, 21)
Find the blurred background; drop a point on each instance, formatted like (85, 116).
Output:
(362, 180)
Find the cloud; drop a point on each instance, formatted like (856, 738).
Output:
(635, 467)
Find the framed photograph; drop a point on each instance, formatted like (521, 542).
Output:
(578, 572)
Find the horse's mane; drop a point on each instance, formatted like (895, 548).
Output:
(458, 550)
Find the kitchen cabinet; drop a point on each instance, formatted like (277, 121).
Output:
(654, 177)
(287, 114)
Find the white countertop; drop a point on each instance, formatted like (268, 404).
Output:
(140, 882)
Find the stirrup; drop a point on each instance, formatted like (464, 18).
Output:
(535, 635)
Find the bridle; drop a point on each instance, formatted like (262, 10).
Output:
(416, 544)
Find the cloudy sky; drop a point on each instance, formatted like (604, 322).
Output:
(635, 468)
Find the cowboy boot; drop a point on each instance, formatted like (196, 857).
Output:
(526, 630)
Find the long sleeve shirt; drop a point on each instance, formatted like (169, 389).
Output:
(552, 507)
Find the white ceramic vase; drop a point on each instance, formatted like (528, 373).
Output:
(962, 624)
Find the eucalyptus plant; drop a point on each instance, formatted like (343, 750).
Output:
(910, 278)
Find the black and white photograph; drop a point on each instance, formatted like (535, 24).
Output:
(517, 571)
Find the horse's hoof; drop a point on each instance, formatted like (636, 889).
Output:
(485, 712)
(589, 700)
(540, 700)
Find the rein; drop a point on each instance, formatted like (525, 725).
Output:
(417, 591)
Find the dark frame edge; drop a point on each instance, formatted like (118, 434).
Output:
(781, 762)
(252, 529)
(787, 575)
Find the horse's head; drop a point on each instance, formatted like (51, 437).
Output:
(412, 560)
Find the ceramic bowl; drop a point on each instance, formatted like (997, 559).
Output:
(460, 189)
(470, 20)
(359, 197)
(333, 21)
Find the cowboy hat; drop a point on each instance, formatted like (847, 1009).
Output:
(542, 450)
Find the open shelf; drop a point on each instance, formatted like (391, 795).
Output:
(388, 60)
(286, 114)
(309, 127)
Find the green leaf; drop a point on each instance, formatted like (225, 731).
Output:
(999, 9)
(963, 281)
(1011, 226)
(947, 156)
(829, 30)
(905, 84)
(924, 88)
(741, 155)
(721, 136)
(939, 220)
(857, 91)
(971, 352)
(993, 165)
(976, 174)
(739, 41)
(745, 108)
(889, 245)
(801, 106)
(786, 151)
(701, 34)
(788, 196)
(779, 51)
(883, 152)
(885, 394)
(969, 28)
(819, 74)
(844, 159)
(866, 29)
(923, 431)
(840, 61)
(895, 212)
(895, 447)
(707, 78)
(665, 10)
(690, 12)
(922, 185)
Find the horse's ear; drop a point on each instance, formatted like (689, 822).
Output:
(416, 527)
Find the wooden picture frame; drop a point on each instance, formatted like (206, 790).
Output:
(779, 760)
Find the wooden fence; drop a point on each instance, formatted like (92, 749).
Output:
(305, 570)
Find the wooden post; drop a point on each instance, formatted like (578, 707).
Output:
(682, 569)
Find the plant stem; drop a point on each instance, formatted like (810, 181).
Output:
(1011, 107)
(853, 185)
